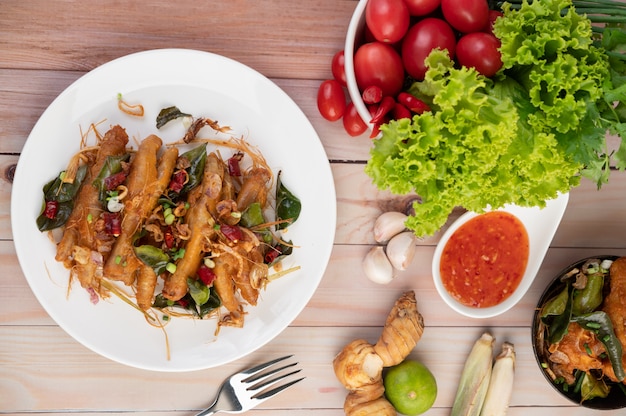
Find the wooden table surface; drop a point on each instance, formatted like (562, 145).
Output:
(45, 46)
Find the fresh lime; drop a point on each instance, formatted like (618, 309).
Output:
(410, 387)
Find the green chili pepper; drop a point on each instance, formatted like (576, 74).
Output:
(600, 323)
(288, 206)
(556, 305)
(153, 257)
(588, 299)
(64, 194)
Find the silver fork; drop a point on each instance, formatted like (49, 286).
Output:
(244, 390)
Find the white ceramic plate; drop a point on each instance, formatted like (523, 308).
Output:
(541, 224)
(202, 84)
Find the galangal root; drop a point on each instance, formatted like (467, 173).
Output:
(359, 365)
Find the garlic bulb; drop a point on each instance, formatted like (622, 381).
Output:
(114, 204)
(401, 250)
(388, 224)
(377, 267)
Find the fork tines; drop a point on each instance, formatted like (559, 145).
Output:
(260, 378)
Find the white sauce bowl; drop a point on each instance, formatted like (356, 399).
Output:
(540, 224)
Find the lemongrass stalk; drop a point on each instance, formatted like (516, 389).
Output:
(475, 377)
(501, 383)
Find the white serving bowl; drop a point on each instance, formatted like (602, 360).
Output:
(541, 225)
(354, 37)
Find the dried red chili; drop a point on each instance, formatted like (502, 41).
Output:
(113, 181)
(168, 238)
(272, 255)
(206, 275)
(232, 232)
(178, 181)
(52, 207)
(233, 164)
(112, 223)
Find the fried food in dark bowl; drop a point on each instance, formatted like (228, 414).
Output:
(579, 332)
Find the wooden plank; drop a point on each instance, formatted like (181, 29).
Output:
(280, 38)
(7, 164)
(66, 376)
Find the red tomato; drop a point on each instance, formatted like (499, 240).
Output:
(388, 20)
(338, 68)
(480, 50)
(422, 7)
(331, 100)
(466, 16)
(493, 15)
(352, 121)
(379, 64)
(424, 36)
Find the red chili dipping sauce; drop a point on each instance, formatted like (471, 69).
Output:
(484, 260)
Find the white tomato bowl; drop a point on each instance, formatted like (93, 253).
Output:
(355, 34)
(540, 224)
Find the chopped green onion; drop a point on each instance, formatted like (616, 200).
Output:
(178, 254)
(171, 267)
(208, 262)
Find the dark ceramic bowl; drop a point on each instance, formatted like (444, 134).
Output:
(617, 397)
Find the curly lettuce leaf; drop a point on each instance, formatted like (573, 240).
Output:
(549, 49)
(475, 149)
(551, 53)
